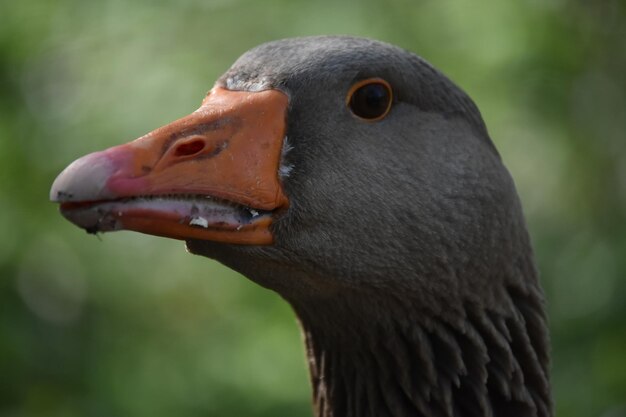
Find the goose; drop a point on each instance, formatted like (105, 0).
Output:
(360, 184)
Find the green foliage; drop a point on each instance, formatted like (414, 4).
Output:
(131, 325)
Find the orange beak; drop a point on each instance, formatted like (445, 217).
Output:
(211, 175)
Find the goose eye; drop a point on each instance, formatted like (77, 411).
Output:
(370, 99)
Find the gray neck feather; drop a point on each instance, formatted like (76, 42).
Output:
(389, 359)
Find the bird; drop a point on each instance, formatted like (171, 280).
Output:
(360, 183)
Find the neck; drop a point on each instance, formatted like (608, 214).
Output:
(371, 355)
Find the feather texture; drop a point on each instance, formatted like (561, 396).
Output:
(487, 364)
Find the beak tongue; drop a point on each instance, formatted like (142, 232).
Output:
(211, 175)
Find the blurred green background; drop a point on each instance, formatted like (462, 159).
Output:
(132, 325)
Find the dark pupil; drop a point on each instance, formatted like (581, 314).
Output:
(370, 101)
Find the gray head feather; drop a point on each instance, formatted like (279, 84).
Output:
(404, 251)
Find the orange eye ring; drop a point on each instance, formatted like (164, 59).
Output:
(370, 99)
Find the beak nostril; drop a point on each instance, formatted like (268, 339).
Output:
(189, 148)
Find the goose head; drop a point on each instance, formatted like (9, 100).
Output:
(358, 182)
